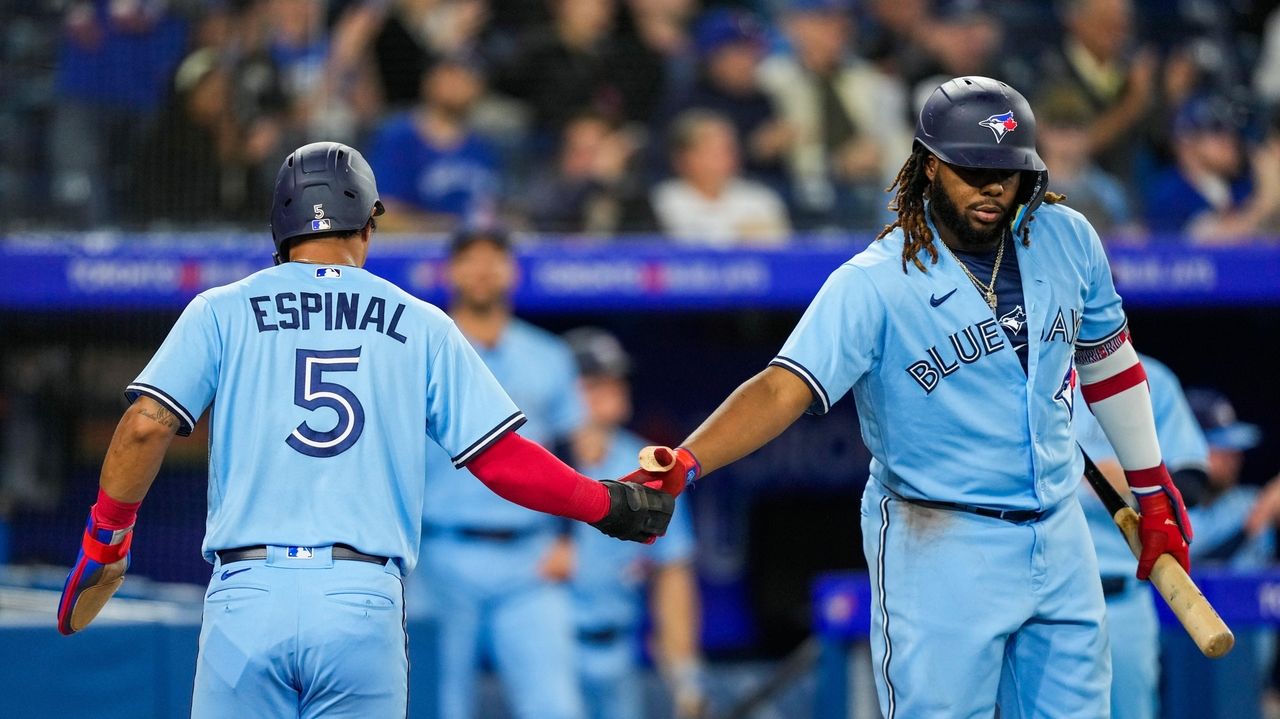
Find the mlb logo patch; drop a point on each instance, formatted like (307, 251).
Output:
(328, 273)
(1000, 125)
(317, 225)
(299, 553)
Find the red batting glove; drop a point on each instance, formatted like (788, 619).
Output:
(1163, 523)
(684, 470)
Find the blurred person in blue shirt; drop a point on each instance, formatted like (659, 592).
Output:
(1235, 525)
(731, 45)
(1219, 190)
(114, 67)
(493, 576)
(1131, 614)
(1234, 522)
(609, 582)
(433, 169)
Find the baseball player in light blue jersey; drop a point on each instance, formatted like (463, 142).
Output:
(490, 573)
(1131, 614)
(609, 585)
(321, 381)
(960, 333)
(1238, 520)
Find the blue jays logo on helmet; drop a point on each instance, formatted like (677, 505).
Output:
(1001, 124)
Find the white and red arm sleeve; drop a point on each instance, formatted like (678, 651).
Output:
(1115, 387)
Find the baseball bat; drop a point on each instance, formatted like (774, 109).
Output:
(1188, 603)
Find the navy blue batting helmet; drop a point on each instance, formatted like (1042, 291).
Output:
(322, 188)
(979, 122)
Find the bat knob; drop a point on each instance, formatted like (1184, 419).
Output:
(1219, 644)
(657, 459)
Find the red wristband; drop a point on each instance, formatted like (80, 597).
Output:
(109, 513)
(1150, 477)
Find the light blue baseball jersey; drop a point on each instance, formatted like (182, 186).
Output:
(943, 402)
(326, 383)
(610, 574)
(537, 369)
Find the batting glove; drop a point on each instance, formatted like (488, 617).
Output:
(1163, 525)
(684, 470)
(98, 573)
(637, 513)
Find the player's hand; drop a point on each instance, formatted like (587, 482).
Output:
(1266, 509)
(684, 680)
(560, 562)
(670, 470)
(97, 574)
(637, 512)
(1163, 524)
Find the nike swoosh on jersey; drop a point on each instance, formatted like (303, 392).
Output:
(934, 300)
(233, 572)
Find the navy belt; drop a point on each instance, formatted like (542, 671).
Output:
(485, 534)
(1113, 584)
(1015, 516)
(604, 635)
(340, 551)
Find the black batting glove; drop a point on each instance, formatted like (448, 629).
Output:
(636, 513)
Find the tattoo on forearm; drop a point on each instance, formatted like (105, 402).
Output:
(161, 415)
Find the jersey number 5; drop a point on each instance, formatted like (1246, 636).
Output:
(310, 391)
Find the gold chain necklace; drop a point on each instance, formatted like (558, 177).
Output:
(988, 290)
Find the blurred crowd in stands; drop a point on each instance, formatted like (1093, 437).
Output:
(728, 123)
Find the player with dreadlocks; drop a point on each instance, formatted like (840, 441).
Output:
(914, 188)
(985, 583)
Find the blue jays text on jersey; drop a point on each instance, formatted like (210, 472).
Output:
(977, 340)
(946, 411)
(340, 372)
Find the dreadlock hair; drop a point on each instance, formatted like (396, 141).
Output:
(912, 184)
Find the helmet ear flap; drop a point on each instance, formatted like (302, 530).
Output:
(1030, 195)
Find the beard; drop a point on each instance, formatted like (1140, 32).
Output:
(946, 213)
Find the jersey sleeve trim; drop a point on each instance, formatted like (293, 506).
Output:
(1086, 344)
(821, 403)
(510, 424)
(186, 422)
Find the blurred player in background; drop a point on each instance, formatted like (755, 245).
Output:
(1237, 520)
(960, 332)
(1131, 612)
(608, 584)
(325, 378)
(493, 574)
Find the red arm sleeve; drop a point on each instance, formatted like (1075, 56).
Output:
(523, 472)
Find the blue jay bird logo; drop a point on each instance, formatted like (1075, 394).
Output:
(1067, 392)
(1014, 320)
(1000, 125)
